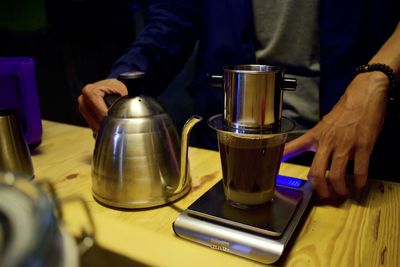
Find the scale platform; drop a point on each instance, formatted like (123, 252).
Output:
(260, 233)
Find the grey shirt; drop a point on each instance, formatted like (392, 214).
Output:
(287, 35)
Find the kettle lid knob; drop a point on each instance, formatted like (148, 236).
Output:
(134, 82)
(136, 104)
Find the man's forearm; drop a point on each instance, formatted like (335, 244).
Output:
(389, 53)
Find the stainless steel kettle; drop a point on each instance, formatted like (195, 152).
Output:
(139, 161)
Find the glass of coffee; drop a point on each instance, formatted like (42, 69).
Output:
(250, 162)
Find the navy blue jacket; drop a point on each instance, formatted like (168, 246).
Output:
(351, 32)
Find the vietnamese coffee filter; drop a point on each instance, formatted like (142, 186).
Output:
(253, 96)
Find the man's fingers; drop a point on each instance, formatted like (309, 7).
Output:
(317, 173)
(337, 173)
(361, 163)
(91, 119)
(299, 145)
(93, 99)
(92, 106)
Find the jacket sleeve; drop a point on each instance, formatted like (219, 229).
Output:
(164, 45)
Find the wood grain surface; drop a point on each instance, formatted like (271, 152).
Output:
(360, 231)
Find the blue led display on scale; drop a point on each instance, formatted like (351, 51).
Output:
(289, 181)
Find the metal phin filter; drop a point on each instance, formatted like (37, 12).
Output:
(253, 97)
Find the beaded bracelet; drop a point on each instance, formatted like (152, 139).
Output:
(394, 91)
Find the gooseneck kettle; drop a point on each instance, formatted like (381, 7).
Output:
(139, 161)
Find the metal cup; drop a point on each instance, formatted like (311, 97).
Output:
(14, 152)
(253, 96)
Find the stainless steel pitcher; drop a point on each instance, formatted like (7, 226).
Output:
(139, 161)
(14, 152)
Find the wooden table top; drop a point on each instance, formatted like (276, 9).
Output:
(365, 232)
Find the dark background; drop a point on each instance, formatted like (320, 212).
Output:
(73, 42)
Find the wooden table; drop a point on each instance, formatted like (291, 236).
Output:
(355, 233)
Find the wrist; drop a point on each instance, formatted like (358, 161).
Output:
(382, 73)
(379, 78)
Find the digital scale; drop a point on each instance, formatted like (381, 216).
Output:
(261, 233)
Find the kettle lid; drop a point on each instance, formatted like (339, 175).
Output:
(137, 107)
(135, 104)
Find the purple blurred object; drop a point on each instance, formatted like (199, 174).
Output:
(18, 91)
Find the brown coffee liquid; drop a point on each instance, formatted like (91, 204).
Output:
(250, 167)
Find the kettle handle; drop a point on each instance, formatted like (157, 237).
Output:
(111, 99)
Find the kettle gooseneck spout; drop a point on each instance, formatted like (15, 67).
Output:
(184, 153)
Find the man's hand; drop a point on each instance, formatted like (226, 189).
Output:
(348, 132)
(91, 101)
